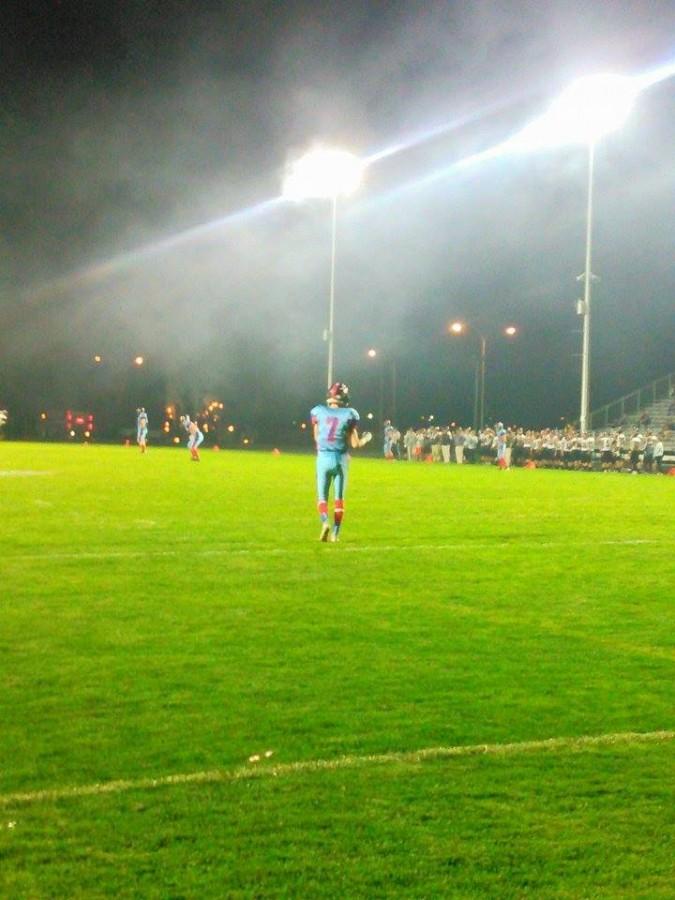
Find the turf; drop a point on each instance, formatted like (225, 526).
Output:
(160, 617)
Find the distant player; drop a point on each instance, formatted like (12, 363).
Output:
(335, 432)
(388, 439)
(195, 437)
(501, 440)
(142, 429)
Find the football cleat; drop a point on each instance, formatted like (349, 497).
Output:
(334, 538)
(325, 529)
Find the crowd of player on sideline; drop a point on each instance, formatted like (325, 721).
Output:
(612, 449)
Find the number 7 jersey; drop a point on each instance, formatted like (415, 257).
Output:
(334, 426)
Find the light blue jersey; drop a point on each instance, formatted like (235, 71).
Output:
(195, 436)
(334, 425)
(142, 426)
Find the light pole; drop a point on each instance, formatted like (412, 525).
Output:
(373, 354)
(589, 109)
(586, 307)
(327, 174)
(479, 380)
(330, 336)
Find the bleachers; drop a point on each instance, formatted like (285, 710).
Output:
(659, 417)
(654, 399)
(651, 408)
(655, 418)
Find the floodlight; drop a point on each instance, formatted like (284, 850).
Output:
(590, 108)
(323, 173)
(456, 327)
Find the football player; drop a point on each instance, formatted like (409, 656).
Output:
(195, 437)
(142, 429)
(501, 438)
(335, 432)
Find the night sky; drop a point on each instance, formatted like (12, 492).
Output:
(143, 146)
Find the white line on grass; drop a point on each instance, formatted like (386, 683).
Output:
(21, 473)
(234, 550)
(341, 762)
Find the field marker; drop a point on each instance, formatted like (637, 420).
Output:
(413, 757)
(20, 473)
(312, 547)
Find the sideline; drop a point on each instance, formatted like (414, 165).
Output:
(252, 770)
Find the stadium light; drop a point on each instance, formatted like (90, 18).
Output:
(325, 174)
(373, 353)
(589, 109)
(459, 328)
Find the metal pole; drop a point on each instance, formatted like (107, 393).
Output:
(393, 391)
(331, 306)
(588, 277)
(476, 394)
(483, 348)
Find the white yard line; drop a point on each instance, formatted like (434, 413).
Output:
(266, 770)
(22, 473)
(235, 550)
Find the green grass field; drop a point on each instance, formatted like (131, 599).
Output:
(162, 622)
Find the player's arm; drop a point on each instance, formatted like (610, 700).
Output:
(356, 441)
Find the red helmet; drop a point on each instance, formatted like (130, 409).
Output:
(339, 393)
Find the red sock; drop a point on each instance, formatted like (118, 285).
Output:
(322, 506)
(339, 511)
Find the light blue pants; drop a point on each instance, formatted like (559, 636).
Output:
(331, 466)
(195, 440)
